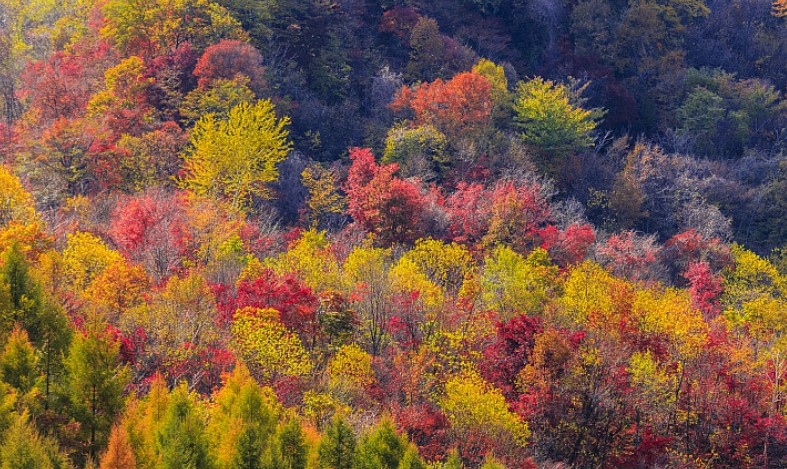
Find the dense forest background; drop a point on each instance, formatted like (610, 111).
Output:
(351, 234)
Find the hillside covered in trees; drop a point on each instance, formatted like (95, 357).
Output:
(405, 234)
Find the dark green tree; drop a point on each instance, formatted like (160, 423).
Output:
(292, 446)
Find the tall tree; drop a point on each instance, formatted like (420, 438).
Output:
(337, 447)
(96, 381)
(234, 159)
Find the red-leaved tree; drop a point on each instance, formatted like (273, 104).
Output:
(391, 208)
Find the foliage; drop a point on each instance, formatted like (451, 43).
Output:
(234, 159)
(552, 120)
(390, 208)
(475, 407)
(267, 347)
(16, 204)
(462, 104)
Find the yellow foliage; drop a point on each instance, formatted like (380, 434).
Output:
(513, 284)
(447, 265)
(407, 277)
(234, 159)
(324, 197)
(119, 287)
(670, 314)
(210, 227)
(311, 259)
(16, 204)
(30, 238)
(751, 277)
(657, 384)
(497, 79)
(352, 366)
(588, 292)
(85, 258)
(320, 407)
(366, 265)
(266, 346)
(474, 406)
(123, 83)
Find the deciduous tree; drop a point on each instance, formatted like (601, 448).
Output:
(233, 160)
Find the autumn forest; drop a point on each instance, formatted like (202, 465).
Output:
(393, 234)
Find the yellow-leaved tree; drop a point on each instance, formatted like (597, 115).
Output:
(267, 347)
(234, 159)
(16, 204)
(476, 408)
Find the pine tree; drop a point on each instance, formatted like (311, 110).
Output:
(292, 446)
(23, 448)
(381, 449)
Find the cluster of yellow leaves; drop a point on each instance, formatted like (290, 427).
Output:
(446, 265)
(366, 265)
(16, 204)
(101, 276)
(670, 314)
(324, 197)
(497, 79)
(351, 366)
(122, 84)
(234, 159)
(589, 294)
(266, 346)
(473, 405)
(751, 277)
(657, 383)
(311, 259)
(512, 284)
(406, 276)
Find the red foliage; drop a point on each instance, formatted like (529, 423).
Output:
(427, 427)
(202, 367)
(149, 229)
(172, 75)
(704, 287)
(61, 86)
(690, 246)
(568, 247)
(631, 256)
(399, 21)
(295, 302)
(519, 214)
(130, 347)
(468, 210)
(389, 207)
(459, 105)
(510, 353)
(227, 60)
